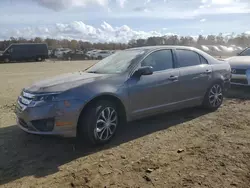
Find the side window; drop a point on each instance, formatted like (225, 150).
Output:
(159, 60)
(10, 50)
(187, 58)
(203, 60)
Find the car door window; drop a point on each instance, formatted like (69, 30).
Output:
(9, 51)
(159, 60)
(203, 60)
(187, 58)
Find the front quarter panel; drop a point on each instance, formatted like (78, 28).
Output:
(113, 85)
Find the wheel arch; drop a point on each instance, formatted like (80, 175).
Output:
(218, 80)
(108, 97)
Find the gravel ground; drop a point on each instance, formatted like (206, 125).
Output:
(188, 148)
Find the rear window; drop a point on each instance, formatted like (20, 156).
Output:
(187, 58)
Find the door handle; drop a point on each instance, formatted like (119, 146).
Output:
(173, 78)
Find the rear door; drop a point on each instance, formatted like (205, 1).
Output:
(195, 75)
(151, 94)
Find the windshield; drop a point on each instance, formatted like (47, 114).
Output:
(245, 52)
(116, 63)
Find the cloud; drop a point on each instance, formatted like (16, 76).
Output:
(141, 9)
(81, 31)
(203, 20)
(121, 2)
(58, 5)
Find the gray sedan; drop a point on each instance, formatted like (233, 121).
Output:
(240, 66)
(128, 85)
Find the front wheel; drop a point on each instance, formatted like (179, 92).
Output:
(39, 59)
(214, 97)
(98, 124)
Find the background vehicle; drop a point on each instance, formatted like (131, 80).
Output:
(125, 86)
(102, 54)
(59, 52)
(91, 53)
(75, 55)
(240, 66)
(25, 52)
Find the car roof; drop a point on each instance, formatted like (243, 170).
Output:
(16, 44)
(149, 49)
(162, 47)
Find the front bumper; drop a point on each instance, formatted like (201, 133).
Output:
(59, 119)
(240, 80)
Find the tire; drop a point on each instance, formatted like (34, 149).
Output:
(6, 60)
(214, 97)
(93, 129)
(99, 57)
(39, 59)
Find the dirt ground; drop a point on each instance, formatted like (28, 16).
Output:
(188, 148)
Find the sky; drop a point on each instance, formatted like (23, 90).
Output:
(121, 20)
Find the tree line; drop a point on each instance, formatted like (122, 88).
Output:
(242, 40)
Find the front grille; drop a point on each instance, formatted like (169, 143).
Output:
(239, 71)
(18, 108)
(240, 81)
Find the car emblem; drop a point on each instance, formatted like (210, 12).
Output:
(233, 71)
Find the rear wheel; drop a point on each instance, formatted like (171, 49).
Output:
(39, 59)
(214, 97)
(98, 124)
(6, 60)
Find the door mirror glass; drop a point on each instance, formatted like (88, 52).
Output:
(147, 70)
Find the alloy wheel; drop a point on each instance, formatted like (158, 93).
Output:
(106, 124)
(215, 96)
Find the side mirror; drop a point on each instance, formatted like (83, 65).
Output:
(147, 70)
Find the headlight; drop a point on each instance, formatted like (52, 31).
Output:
(46, 97)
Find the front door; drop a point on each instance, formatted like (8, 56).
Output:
(151, 94)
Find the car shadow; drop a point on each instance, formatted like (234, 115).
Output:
(24, 155)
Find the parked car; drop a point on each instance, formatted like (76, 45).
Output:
(92, 53)
(128, 85)
(25, 52)
(50, 53)
(240, 66)
(102, 54)
(60, 52)
(75, 55)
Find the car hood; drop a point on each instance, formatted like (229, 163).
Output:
(239, 61)
(64, 82)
